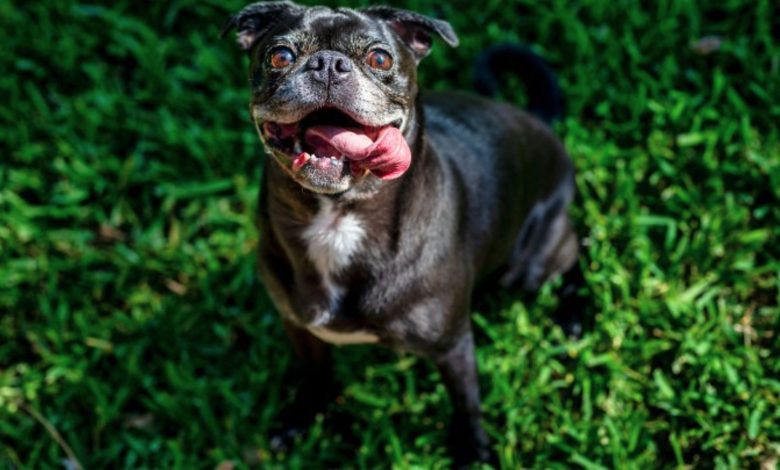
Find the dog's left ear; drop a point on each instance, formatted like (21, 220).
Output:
(255, 20)
(414, 29)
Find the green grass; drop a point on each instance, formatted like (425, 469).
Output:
(132, 322)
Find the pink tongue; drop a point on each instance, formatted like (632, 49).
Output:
(383, 151)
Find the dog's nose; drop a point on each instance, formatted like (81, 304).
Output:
(330, 66)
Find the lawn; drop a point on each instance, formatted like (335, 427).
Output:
(134, 332)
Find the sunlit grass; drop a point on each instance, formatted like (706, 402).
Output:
(132, 322)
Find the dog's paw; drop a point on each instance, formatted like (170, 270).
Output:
(465, 458)
(571, 324)
(469, 446)
(283, 440)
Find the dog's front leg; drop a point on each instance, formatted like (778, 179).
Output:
(313, 375)
(458, 369)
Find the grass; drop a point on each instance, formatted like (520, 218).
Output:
(133, 328)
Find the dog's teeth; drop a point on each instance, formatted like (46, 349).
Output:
(300, 160)
(297, 148)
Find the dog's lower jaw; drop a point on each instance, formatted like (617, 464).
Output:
(342, 186)
(285, 164)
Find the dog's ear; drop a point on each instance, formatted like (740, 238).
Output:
(414, 29)
(254, 21)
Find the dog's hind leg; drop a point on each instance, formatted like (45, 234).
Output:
(547, 247)
(572, 302)
(572, 297)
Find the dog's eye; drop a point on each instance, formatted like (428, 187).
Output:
(281, 57)
(379, 59)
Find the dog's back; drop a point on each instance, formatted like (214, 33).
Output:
(485, 145)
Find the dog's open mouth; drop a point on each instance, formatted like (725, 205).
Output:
(331, 145)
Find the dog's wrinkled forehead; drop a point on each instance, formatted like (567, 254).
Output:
(259, 21)
(332, 26)
(319, 28)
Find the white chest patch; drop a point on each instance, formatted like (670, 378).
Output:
(332, 238)
(331, 241)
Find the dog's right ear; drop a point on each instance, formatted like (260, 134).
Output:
(414, 29)
(254, 21)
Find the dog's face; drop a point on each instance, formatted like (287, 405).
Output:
(333, 91)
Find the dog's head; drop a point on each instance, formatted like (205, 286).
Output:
(333, 90)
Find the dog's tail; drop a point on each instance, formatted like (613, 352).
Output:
(545, 98)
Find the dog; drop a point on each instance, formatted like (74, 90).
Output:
(382, 209)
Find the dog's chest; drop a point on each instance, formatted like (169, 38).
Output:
(333, 239)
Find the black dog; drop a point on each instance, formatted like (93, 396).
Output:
(381, 209)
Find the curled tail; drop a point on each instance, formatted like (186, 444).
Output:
(545, 98)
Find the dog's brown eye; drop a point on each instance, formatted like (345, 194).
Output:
(379, 59)
(281, 57)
